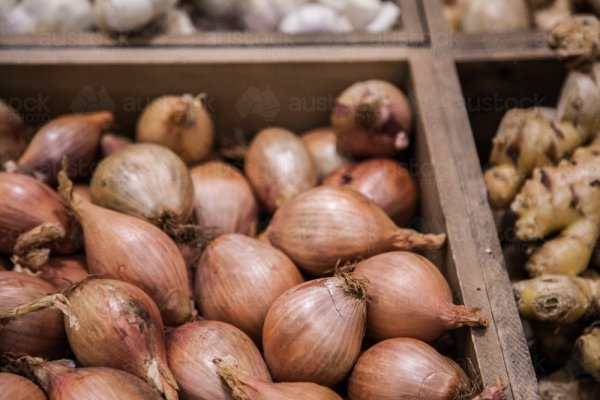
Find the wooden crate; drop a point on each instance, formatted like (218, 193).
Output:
(408, 31)
(298, 89)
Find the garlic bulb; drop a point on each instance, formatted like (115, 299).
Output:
(358, 12)
(178, 22)
(264, 15)
(314, 18)
(495, 16)
(35, 16)
(128, 15)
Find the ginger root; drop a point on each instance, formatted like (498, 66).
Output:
(526, 139)
(557, 299)
(588, 351)
(564, 198)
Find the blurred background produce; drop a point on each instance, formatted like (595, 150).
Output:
(185, 17)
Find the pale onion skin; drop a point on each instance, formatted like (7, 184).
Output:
(313, 332)
(180, 123)
(495, 16)
(38, 334)
(191, 349)
(12, 129)
(372, 118)
(223, 199)
(111, 143)
(62, 272)
(324, 225)
(119, 327)
(247, 387)
(83, 191)
(145, 180)
(405, 369)
(409, 297)
(321, 143)
(130, 249)
(13, 387)
(65, 383)
(74, 136)
(279, 167)
(27, 203)
(238, 279)
(384, 181)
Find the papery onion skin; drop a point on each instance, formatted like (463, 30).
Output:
(384, 181)
(224, 199)
(83, 191)
(14, 387)
(324, 225)
(111, 143)
(38, 334)
(313, 332)
(191, 349)
(372, 118)
(279, 167)
(123, 247)
(74, 136)
(119, 327)
(409, 297)
(62, 272)
(238, 279)
(321, 143)
(64, 383)
(144, 180)
(180, 123)
(405, 369)
(12, 129)
(247, 387)
(27, 203)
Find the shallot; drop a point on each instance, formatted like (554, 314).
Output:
(279, 167)
(180, 123)
(193, 347)
(111, 143)
(321, 144)
(74, 136)
(326, 225)
(409, 297)
(254, 272)
(62, 272)
(224, 199)
(372, 118)
(313, 332)
(123, 247)
(40, 334)
(404, 368)
(384, 181)
(14, 387)
(12, 129)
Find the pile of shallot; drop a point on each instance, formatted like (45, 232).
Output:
(163, 271)
(173, 17)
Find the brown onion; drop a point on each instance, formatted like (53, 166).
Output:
(384, 181)
(313, 332)
(321, 143)
(247, 387)
(239, 278)
(147, 181)
(406, 369)
(180, 123)
(409, 297)
(111, 143)
(12, 129)
(279, 167)
(372, 118)
(15, 387)
(62, 272)
(113, 324)
(74, 136)
(123, 247)
(62, 381)
(191, 349)
(40, 334)
(224, 199)
(27, 203)
(320, 227)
